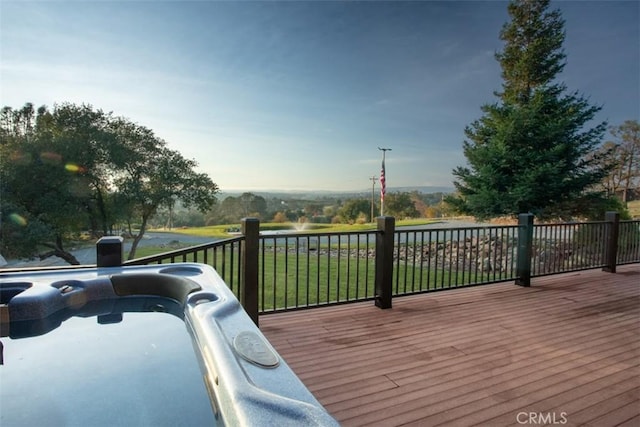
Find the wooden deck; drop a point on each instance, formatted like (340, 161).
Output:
(564, 351)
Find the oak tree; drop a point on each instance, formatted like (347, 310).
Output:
(75, 168)
(622, 156)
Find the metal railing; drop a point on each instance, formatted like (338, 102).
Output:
(298, 270)
(628, 243)
(428, 260)
(559, 248)
(305, 270)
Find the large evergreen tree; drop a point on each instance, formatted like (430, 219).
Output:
(530, 151)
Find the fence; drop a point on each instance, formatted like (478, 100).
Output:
(286, 271)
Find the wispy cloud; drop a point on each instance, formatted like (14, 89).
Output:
(279, 93)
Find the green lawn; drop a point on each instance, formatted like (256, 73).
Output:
(292, 281)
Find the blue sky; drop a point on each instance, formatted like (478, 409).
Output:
(298, 95)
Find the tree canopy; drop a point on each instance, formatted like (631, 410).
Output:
(356, 209)
(400, 205)
(531, 151)
(75, 169)
(232, 208)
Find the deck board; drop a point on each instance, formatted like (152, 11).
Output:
(475, 356)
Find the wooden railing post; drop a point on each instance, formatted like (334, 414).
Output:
(248, 290)
(109, 251)
(611, 241)
(384, 261)
(525, 243)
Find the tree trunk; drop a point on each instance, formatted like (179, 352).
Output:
(137, 238)
(102, 210)
(57, 250)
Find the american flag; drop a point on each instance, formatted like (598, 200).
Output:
(383, 187)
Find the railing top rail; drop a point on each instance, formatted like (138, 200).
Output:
(185, 251)
(316, 234)
(48, 268)
(569, 223)
(475, 227)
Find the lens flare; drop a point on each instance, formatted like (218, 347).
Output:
(50, 158)
(20, 158)
(17, 219)
(72, 167)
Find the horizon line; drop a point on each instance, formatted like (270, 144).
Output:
(298, 190)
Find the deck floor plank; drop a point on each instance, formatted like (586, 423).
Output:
(569, 344)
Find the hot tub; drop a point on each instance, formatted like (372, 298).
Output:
(146, 345)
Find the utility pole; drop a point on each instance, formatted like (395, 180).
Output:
(373, 189)
(383, 180)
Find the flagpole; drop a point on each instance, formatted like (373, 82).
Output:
(373, 191)
(383, 180)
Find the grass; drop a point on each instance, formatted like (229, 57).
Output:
(289, 281)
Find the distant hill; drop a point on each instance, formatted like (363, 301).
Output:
(426, 189)
(327, 194)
